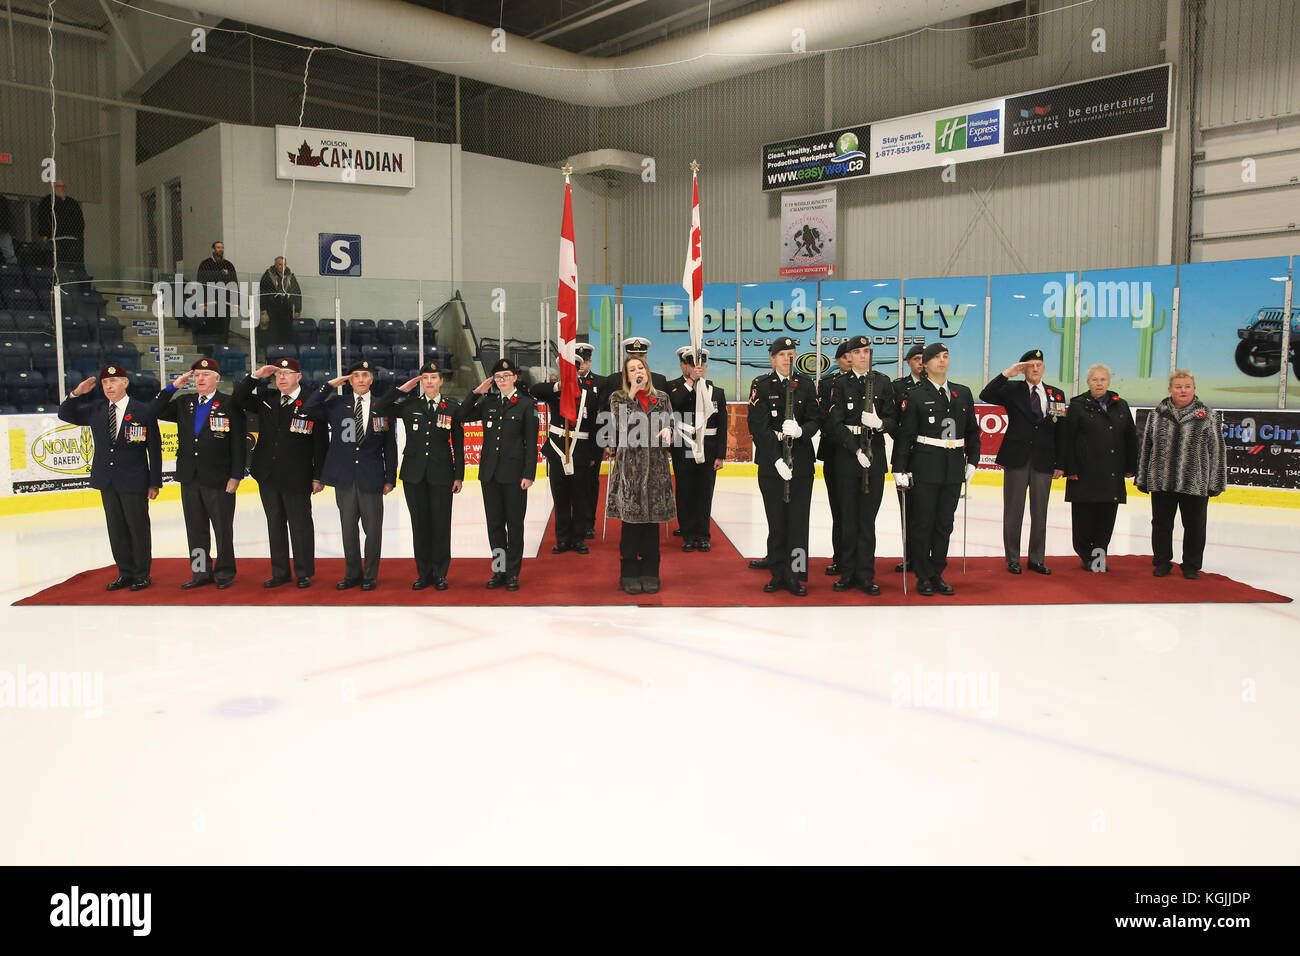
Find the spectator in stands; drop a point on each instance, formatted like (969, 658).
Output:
(7, 232)
(281, 302)
(63, 213)
(220, 297)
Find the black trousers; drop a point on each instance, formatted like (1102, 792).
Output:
(832, 493)
(364, 508)
(1164, 506)
(1014, 482)
(1091, 524)
(129, 532)
(504, 503)
(638, 549)
(430, 507)
(787, 526)
(209, 513)
(288, 516)
(588, 473)
(855, 548)
(566, 490)
(693, 489)
(930, 518)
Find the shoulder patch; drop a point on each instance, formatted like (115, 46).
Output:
(753, 395)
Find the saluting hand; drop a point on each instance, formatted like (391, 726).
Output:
(184, 378)
(407, 386)
(483, 386)
(1015, 370)
(266, 371)
(84, 386)
(338, 380)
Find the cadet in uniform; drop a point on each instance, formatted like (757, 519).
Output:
(361, 466)
(695, 479)
(433, 468)
(507, 467)
(210, 429)
(572, 489)
(826, 453)
(937, 449)
(915, 375)
(126, 468)
(287, 463)
(1030, 453)
(773, 431)
(858, 427)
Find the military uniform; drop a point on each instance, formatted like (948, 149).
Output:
(288, 457)
(572, 490)
(787, 521)
(938, 436)
(509, 456)
(432, 462)
(856, 527)
(126, 463)
(695, 480)
(211, 447)
(360, 463)
(826, 450)
(902, 386)
(1029, 454)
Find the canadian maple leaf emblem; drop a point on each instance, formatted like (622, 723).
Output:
(304, 156)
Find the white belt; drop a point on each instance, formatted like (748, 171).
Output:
(557, 430)
(942, 442)
(854, 429)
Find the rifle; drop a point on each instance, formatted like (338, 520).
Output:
(787, 443)
(864, 436)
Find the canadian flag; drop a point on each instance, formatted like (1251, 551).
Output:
(693, 283)
(566, 313)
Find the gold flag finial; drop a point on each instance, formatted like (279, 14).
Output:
(567, 170)
(695, 166)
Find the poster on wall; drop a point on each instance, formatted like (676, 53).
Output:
(957, 134)
(345, 158)
(1263, 447)
(807, 234)
(46, 454)
(1119, 105)
(829, 157)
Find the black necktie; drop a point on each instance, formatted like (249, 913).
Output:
(284, 400)
(112, 421)
(357, 417)
(1035, 404)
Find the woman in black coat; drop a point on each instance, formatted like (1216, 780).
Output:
(1100, 452)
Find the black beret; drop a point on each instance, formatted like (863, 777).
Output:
(914, 351)
(842, 350)
(857, 342)
(362, 366)
(933, 349)
(780, 344)
(504, 365)
(431, 368)
(1033, 355)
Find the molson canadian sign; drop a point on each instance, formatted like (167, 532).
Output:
(334, 156)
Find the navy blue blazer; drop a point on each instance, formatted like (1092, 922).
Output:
(369, 463)
(129, 462)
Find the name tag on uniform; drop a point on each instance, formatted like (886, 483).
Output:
(219, 423)
(135, 433)
(931, 419)
(301, 426)
(444, 421)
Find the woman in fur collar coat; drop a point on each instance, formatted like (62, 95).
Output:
(640, 484)
(1182, 465)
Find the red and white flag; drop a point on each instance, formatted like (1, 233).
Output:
(566, 313)
(693, 283)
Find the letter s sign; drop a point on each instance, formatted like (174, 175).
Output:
(340, 254)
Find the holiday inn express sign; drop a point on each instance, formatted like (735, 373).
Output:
(335, 156)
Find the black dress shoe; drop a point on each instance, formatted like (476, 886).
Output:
(369, 585)
(223, 585)
(1039, 568)
(1013, 567)
(347, 583)
(771, 587)
(649, 585)
(419, 584)
(872, 588)
(688, 546)
(841, 586)
(274, 582)
(832, 569)
(797, 588)
(630, 585)
(440, 584)
(139, 584)
(559, 548)
(193, 583)
(1191, 575)
(703, 545)
(580, 546)
(1161, 570)
(512, 583)
(677, 532)
(304, 582)
(496, 581)
(942, 586)
(589, 535)
(899, 568)
(760, 564)
(117, 585)
(924, 588)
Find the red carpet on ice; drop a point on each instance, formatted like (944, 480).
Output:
(718, 578)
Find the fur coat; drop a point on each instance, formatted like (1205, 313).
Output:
(640, 484)
(1182, 450)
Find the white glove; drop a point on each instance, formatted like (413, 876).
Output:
(783, 469)
(790, 428)
(871, 420)
(686, 427)
(970, 470)
(863, 460)
(903, 480)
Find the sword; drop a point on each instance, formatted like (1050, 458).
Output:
(902, 503)
(965, 514)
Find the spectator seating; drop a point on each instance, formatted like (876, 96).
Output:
(24, 387)
(325, 331)
(144, 386)
(362, 332)
(124, 354)
(276, 352)
(45, 356)
(391, 332)
(108, 331)
(14, 355)
(304, 332)
(379, 355)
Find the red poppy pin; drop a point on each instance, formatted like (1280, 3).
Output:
(442, 404)
(513, 399)
(297, 403)
(216, 404)
(1200, 414)
(654, 401)
(127, 418)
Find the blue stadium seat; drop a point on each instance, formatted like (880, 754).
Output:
(325, 331)
(144, 386)
(108, 331)
(362, 332)
(124, 354)
(24, 387)
(45, 356)
(40, 278)
(406, 356)
(8, 324)
(380, 355)
(90, 304)
(391, 332)
(20, 298)
(32, 322)
(76, 329)
(82, 355)
(304, 332)
(14, 355)
(276, 352)
(316, 358)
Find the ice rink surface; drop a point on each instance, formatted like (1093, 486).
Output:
(1119, 734)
